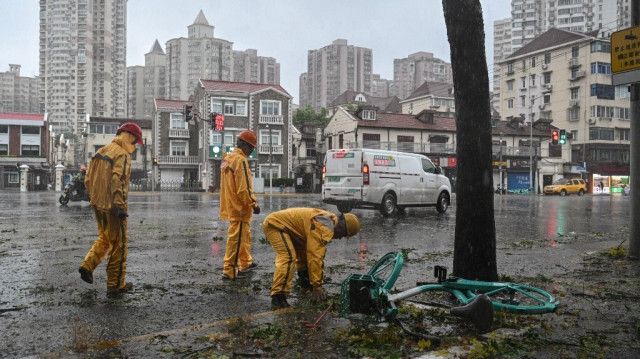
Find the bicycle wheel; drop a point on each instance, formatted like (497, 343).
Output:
(520, 299)
(387, 269)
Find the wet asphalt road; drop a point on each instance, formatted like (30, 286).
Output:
(176, 249)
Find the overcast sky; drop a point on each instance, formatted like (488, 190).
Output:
(283, 29)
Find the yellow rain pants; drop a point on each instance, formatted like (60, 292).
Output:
(238, 250)
(112, 239)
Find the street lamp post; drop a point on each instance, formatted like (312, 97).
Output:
(500, 187)
(270, 161)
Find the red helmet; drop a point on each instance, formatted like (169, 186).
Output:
(133, 129)
(249, 137)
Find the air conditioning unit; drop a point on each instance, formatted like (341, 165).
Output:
(545, 66)
(591, 120)
(574, 103)
(573, 62)
(548, 86)
(542, 106)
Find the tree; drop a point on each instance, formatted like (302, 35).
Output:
(309, 116)
(474, 255)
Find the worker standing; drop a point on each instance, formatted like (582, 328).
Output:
(237, 203)
(107, 182)
(300, 236)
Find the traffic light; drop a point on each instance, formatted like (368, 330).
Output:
(188, 112)
(155, 161)
(563, 137)
(217, 119)
(554, 137)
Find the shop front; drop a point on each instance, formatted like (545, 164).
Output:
(607, 180)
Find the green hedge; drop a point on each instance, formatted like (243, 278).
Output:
(277, 182)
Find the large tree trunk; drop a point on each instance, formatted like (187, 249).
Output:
(474, 255)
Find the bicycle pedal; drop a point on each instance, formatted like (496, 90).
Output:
(440, 272)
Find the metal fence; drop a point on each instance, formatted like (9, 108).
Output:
(144, 184)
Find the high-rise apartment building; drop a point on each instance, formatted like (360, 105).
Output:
(18, 94)
(531, 18)
(249, 67)
(333, 70)
(411, 72)
(144, 83)
(382, 87)
(199, 56)
(82, 61)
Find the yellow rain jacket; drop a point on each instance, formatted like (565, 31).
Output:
(310, 230)
(107, 178)
(236, 188)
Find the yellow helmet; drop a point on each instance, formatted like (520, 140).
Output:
(353, 224)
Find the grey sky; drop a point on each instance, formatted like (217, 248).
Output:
(283, 29)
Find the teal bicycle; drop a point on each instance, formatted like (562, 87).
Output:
(369, 297)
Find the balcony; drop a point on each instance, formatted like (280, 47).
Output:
(573, 62)
(411, 147)
(522, 151)
(179, 133)
(574, 103)
(271, 120)
(178, 160)
(578, 75)
(275, 149)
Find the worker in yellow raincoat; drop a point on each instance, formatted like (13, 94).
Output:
(237, 204)
(107, 182)
(300, 236)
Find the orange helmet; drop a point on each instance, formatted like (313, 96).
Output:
(133, 129)
(83, 168)
(249, 137)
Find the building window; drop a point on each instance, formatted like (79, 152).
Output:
(547, 58)
(241, 108)
(510, 85)
(624, 134)
(532, 80)
(178, 148)
(216, 106)
(622, 113)
(547, 99)
(601, 68)
(547, 77)
(510, 103)
(4, 129)
(270, 108)
(274, 140)
(573, 114)
(603, 92)
(523, 101)
(311, 152)
(510, 67)
(524, 65)
(575, 52)
(523, 82)
(600, 133)
(4, 150)
(599, 46)
(177, 121)
(533, 61)
(30, 130)
(621, 92)
(228, 108)
(368, 115)
(30, 150)
(575, 92)
(103, 129)
(13, 177)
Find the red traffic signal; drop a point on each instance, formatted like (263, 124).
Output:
(218, 120)
(554, 137)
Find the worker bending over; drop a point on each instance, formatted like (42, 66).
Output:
(300, 236)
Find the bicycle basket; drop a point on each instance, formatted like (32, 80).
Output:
(360, 298)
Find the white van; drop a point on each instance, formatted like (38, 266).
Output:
(384, 180)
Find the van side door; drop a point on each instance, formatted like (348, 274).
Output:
(410, 186)
(430, 182)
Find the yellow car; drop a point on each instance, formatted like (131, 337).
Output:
(566, 186)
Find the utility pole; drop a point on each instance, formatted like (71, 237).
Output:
(501, 185)
(634, 173)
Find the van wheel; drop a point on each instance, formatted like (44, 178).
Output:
(388, 206)
(443, 203)
(344, 207)
(563, 192)
(581, 192)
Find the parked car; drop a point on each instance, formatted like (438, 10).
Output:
(567, 186)
(384, 180)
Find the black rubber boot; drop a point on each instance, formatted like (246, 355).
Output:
(303, 277)
(279, 300)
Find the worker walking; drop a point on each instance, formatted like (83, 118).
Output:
(107, 182)
(237, 203)
(300, 236)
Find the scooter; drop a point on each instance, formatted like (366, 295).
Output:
(73, 191)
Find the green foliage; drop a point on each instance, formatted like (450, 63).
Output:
(617, 252)
(309, 116)
(286, 182)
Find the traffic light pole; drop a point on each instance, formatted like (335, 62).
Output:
(634, 173)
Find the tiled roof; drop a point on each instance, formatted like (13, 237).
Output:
(397, 120)
(143, 123)
(242, 87)
(439, 89)
(201, 19)
(166, 104)
(551, 38)
(503, 126)
(388, 104)
(157, 48)
(21, 116)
